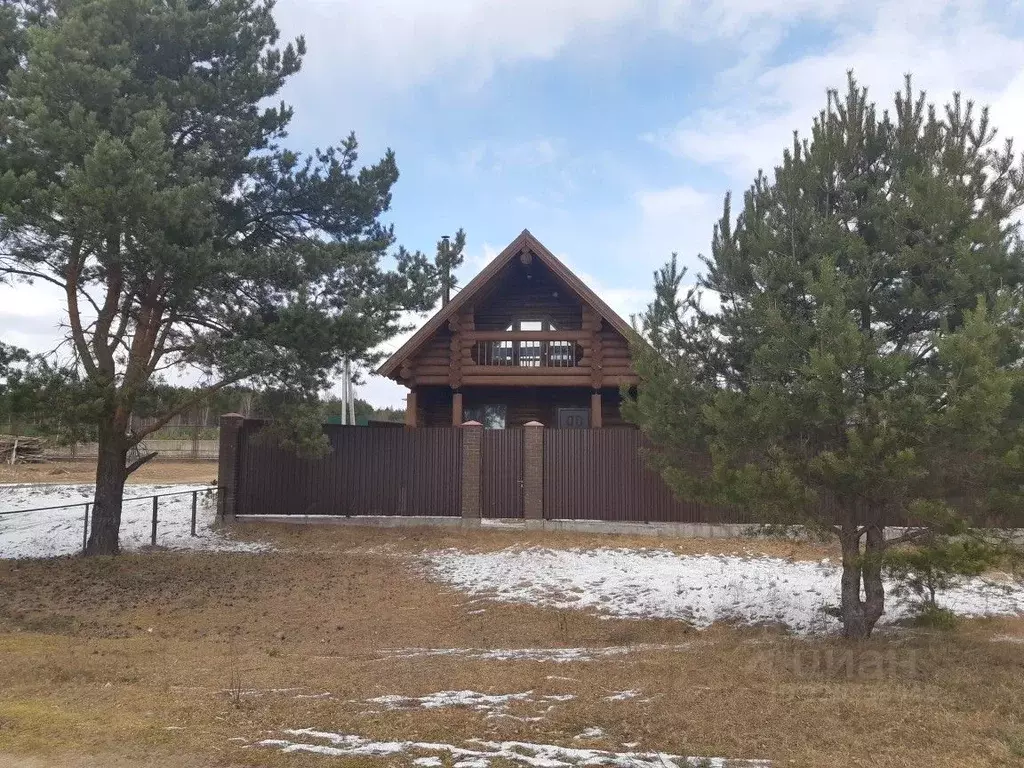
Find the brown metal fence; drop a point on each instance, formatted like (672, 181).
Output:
(369, 471)
(501, 473)
(600, 474)
(586, 474)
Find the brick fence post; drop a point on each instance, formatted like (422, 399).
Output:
(227, 465)
(533, 470)
(472, 449)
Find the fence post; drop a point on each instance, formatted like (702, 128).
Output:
(533, 471)
(195, 494)
(472, 446)
(153, 532)
(85, 530)
(227, 465)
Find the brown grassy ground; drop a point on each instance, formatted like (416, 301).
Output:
(141, 660)
(85, 472)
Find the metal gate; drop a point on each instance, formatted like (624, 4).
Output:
(600, 474)
(501, 470)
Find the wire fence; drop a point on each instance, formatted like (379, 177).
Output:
(130, 523)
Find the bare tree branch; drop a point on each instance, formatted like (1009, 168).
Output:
(139, 462)
(35, 276)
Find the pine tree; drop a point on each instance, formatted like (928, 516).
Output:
(864, 365)
(142, 173)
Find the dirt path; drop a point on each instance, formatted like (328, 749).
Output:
(84, 472)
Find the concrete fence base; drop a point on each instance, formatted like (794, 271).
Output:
(677, 530)
(656, 530)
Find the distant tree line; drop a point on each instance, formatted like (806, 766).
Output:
(38, 398)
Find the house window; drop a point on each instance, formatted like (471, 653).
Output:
(528, 354)
(491, 416)
(532, 325)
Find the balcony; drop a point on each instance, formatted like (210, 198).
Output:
(527, 349)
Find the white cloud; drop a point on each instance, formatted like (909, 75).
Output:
(675, 219)
(947, 45)
(672, 202)
(496, 156)
(31, 315)
(393, 44)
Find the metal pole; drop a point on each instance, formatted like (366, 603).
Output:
(152, 539)
(348, 410)
(348, 393)
(195, 494)
(85, 530)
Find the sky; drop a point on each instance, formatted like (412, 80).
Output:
(611, 129)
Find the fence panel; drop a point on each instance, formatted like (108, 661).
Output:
(501, 470)
(369, 471)
(600, 474)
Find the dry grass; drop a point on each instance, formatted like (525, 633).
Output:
(327, 537)
(141, 660)
(85, 472)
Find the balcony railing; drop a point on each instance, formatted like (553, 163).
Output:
(559, 353)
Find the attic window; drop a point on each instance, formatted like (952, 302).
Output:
(531, 325)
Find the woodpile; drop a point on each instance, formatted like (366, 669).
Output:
(20, 449)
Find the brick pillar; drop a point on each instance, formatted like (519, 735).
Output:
(533, 470)
(227, 465)
(472, 448)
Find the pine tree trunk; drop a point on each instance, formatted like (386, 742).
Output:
(874, 587)
(860, 616)
(110, 479)
(854, 621)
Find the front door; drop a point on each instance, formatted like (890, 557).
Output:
(573, 418)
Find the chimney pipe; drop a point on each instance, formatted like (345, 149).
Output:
(446, 294)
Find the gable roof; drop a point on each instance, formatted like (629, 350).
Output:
(525, 241)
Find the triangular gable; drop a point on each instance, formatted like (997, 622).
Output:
(484, 278)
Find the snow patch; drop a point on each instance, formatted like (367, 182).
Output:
(700, 589)
(1017, 639)
(556, 655)
(478, 753)
(623, 696)
(56, 532)
(495, 705)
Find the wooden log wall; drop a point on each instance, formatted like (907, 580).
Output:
(529, 289)
(592, 325)
(615, 357)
